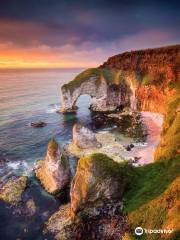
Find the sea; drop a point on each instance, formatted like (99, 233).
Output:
(29, 95)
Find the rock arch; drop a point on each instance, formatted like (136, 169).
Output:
(105, 96)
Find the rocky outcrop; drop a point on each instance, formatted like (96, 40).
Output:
(11, 191)
(84, 138)
(139, 79)
(38, 124)
(98, 179)
(96, 201)
(54, 171)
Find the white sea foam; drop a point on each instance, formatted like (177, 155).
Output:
(20, 166)
(14, 165)
(54, 108)
(140, 144)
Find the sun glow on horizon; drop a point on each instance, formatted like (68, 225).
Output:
(21, 64)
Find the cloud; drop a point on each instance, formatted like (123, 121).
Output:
(83, 32)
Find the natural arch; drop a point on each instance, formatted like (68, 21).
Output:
(107, 94)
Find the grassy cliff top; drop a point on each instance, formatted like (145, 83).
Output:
(140, 60)
(102, 166)
(149, 66)
(107, 74)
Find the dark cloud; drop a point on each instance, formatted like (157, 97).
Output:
(85, 25)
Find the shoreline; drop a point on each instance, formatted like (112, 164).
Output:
(153, 122)
(115, 150)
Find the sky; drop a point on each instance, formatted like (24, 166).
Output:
(82, 33)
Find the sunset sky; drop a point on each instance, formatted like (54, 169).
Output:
(82, 33)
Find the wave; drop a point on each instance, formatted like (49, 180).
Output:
(53, 108)
(16, 167)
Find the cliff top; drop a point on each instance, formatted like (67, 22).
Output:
(143, 59)
(148, 64)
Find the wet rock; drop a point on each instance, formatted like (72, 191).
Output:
(3, 161)
(84, 138)
(106, 222)
(38, 124)
(134, 160)
(11, 192)
(59, 222)
(31, 207)
(54, 171)
(73, 109)
(129, 147)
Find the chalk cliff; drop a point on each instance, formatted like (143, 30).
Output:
(139, 79)
(54, 171)
(84, 138)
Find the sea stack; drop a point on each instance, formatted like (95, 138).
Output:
(54, 171)
(84, 138)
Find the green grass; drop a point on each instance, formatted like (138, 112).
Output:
(108, 74)
(103, 167)
(160, 213)
(152, 199)
(151, 181)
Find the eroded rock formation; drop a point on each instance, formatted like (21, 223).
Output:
(140, 79)
(95, 207)
(98, 178)
(11, 191)
(84, 138)
(94, 82)
(54, 171)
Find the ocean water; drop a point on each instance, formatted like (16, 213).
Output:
(32, 95)
(26, 96)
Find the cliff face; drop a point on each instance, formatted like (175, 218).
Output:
(169, 146)
(99, 84)
(98, 178)
(140, 79)
(54, 171)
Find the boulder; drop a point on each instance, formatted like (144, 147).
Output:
(84, 138)
(38, 124)
(54, 171)
(11, 191)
